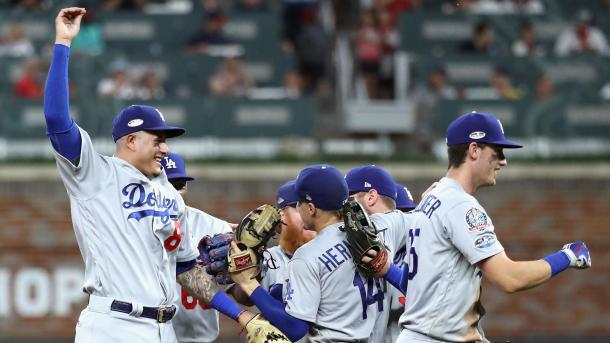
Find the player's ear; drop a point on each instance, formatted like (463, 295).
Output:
(130, 141)
(473, 151)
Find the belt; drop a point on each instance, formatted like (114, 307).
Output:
(160, 314)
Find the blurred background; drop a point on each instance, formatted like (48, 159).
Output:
(265, 87)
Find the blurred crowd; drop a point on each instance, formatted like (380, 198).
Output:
(307, 37)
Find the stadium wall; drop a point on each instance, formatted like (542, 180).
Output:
(535, 209)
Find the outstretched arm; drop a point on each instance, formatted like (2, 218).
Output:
(513, 276)
(61, 130)
(203, 287)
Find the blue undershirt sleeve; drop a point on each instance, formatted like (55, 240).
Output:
(275, 313)
(61, 129)
(397, 278)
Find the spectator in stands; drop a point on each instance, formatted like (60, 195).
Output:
(500, 88)
(210, 38)
(503, 86)
(293, 84)
(544, 88)
(231, 79)
(582, 38)
(369, 51)
(483, 41)
(527, 45)
(15, 43)
(30, 85)
(393, 7)
(252, 5)
(293, 13)
(30, 5)
(312, 50)
(427, 98)
(90, 40)
(118, 85)
(150, 86)
(124, 5)
(390, 40)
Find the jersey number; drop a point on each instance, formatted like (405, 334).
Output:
(412, 253)
(172, 242)
(189, 302)
(366, 293)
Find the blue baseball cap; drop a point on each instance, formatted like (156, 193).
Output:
(142, 118)
(364, 178)
(480, 128)
(286, 195)
(175, 168)
(323, 185)
(404, 199)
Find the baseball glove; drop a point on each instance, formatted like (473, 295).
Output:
(213, 251)
(251, 236)
(362, 237)
(261, 331)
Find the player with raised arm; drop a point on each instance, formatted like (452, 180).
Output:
(452, 243)
(324, 295)
(128, 220)
(195, 321)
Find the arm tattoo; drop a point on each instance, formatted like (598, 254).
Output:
(199, 283)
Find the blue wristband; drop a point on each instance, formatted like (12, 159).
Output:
(558, 261)
(226, 305)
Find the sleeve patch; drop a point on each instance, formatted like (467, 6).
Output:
(485, 241)
(477, 220)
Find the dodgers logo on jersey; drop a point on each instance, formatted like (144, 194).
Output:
(477, 220)
(160, 205)
(485, 241)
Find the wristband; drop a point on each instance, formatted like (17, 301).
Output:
(558, 261)
(226, 305)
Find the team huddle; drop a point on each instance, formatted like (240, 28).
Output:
(357, 259)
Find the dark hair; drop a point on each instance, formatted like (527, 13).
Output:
(457, 154)
(481, 27)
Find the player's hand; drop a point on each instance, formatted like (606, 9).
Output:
(370, 255)
(246, 278)
(578, 253)
(67, 24)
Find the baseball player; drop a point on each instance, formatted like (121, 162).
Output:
(404, 203)
(292, 235)
(129, 221)
(452, 243)
(404, 199)
(324, 295)
(195, 321)
(375, 189)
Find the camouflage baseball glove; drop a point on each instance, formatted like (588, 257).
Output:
(261, 331)
(213, 251)
(362, 237)
(251, 236)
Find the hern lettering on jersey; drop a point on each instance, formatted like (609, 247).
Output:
(160, 205)
(333, 257)
(428, 205)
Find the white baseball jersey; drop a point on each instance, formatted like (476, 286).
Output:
(196, 321)
(324, 288)
(130, 228)
(275, 262)
(450, 233)
(392, 227)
